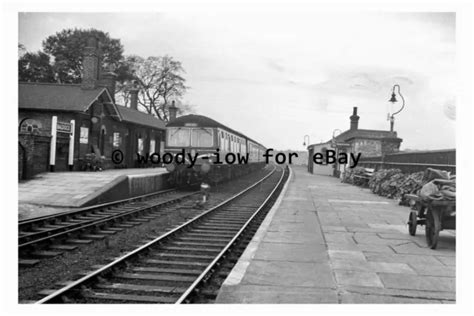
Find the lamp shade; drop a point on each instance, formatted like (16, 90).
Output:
(393, 99)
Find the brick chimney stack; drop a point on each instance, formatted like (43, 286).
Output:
(90, 64)
(107, 80)
(173, 111)
(354, 119)
(134, 96)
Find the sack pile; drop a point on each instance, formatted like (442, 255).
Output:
(438, 185)
(413, 182)
(431, 184)
(380, 177)
(350, 173)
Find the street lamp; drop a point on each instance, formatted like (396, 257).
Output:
(333, 141)
(393, 99)
(304, 140)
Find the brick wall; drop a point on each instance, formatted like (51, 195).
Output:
(33, 155)
(390, 146)
(367, 147)
(414, 161)
(128, 134)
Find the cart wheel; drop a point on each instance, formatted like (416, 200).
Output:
(412, 223)
(432, 229)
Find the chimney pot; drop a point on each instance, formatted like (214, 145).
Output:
(134, 96)
(173, 110)
(90, 64)
(108, 80)
(354, 119)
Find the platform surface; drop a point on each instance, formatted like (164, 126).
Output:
(58, 191)
(331, 242)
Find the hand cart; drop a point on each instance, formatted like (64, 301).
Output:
(436, 215)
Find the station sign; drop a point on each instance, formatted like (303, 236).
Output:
(339, 145)
(62, 127)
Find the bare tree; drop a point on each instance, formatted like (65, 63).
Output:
(160, 81)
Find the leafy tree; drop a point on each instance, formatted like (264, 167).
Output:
(160, 80)
(21, 50)
(64, 52)
(35, 67)
(67, 50)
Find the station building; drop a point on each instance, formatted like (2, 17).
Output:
(368, 142)
(71, 126)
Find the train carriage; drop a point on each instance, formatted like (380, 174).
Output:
(201, 135)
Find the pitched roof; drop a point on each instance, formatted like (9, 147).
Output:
(71, 97)
(61, 97)
(204, 121)
(365, 133)
(141, 118)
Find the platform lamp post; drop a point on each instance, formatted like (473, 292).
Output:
(333, 141)
(304, 140)
(393, 99)
(307, 144)
(334, 145)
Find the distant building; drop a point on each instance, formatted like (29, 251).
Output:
(100, 125)
(368, 142)
(301, 160)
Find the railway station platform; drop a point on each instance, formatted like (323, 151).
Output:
(53, 192)
(329, 242)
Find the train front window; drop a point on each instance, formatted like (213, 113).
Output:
(202, 137)
(179, 136)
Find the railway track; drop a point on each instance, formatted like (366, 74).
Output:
(49, 236)
(173, 267)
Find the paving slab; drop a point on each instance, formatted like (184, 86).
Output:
(293, 237)
(402, 258)
(358, 278)
(360, 247)
(418, 282)
(265, 294)
(346, 255)
(407, 293)
(301, 252)
(329, 242)
(447, 261)
(422, 269)
(388, 267)
(352, 298)
(278, 273)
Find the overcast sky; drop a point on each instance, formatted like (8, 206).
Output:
(276, 77)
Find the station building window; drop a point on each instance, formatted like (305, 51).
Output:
(324, 152)
(102, 140)
(152, 146)
(84, 135)
(140, 147)
(117, 139)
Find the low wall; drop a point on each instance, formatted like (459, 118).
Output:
(415, 161)
(125, 187)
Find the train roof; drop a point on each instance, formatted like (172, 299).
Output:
(204, 121)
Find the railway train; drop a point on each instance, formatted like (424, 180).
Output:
(209, 142)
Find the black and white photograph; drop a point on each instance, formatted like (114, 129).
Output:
(287, 154)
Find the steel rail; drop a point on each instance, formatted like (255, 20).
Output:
(94, 222)
(208, 269)
(138, 250)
